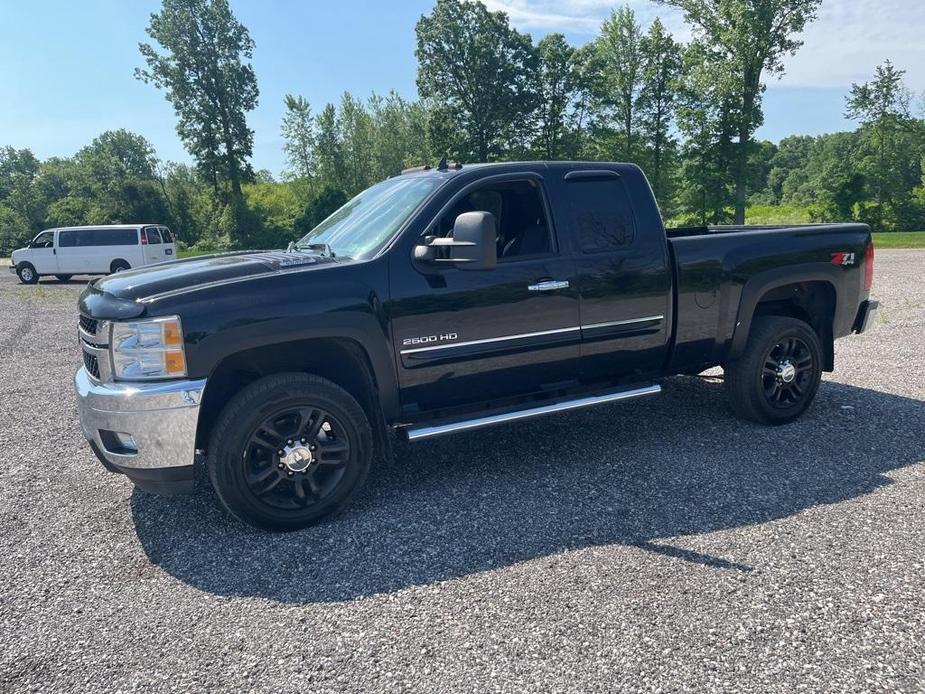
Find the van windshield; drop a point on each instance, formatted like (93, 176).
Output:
(365, 223)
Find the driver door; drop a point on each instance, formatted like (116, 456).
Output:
(465, 336)
(43, 254)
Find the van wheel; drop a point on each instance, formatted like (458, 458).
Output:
(777, 377)
(119, 266)
(63, 278)
(27, 273)
(289, 450)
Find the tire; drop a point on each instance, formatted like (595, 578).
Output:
(119, 266)
(757, 383)
(309, 482)
(26, 273)
(63, 278)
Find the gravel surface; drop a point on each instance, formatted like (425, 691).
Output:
(656, 545)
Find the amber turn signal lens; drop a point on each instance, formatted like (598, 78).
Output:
(174, 363)
(172, 334)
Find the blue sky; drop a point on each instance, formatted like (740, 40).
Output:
(67, 67)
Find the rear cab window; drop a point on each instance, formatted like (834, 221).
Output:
(166, 235)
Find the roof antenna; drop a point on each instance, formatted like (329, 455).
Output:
(443, 166)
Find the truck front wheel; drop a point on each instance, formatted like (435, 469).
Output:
(777, 377)
(289, 450)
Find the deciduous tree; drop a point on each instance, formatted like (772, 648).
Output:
(747, 38)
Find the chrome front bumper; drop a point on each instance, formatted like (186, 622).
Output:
(146, 431)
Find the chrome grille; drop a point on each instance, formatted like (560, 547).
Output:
(89, 325)
(92, 364)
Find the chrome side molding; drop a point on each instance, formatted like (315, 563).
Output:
(416, 433)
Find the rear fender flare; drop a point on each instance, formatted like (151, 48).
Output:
(763, 282)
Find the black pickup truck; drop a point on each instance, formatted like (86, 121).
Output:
(443, 300)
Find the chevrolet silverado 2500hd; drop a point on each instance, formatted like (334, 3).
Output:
(443, 300)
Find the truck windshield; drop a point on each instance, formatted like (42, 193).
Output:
(359, 228)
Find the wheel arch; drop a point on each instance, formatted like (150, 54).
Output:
(811, 295)
(341, 360)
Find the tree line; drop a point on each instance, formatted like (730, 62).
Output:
(687, 113)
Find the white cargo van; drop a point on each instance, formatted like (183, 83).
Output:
(92, 250)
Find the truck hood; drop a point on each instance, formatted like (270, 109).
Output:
(115, 293)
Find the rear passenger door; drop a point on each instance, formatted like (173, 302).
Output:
(623, 278)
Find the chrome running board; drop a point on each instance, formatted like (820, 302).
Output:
(416, 433)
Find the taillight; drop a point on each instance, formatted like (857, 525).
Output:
(869, 266)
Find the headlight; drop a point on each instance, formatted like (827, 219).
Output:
(148, 349)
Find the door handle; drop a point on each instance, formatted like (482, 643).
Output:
(548, 286)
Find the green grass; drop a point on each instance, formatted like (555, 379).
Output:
(900, 239)
(777, 214)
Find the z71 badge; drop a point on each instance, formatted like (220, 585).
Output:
(428, 339)
(843, 258)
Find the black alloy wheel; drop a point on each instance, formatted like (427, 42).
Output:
(296, 457)
(288, 450)
(778, 374)
(788, 372)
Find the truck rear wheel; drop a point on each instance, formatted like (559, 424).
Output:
(777, 377)
(289, 450)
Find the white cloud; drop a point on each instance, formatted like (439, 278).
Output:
(842, 46)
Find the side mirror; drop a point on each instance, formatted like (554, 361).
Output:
(472, 246)
(475, 236)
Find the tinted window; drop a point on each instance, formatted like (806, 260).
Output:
(152, 235)
(85, 238)
(601, 214)
(115, 237)
(166, 235)
(523, 229)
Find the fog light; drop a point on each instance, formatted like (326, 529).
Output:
(126, 441)
(118, 442)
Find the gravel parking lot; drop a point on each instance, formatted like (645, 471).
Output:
(656, 545)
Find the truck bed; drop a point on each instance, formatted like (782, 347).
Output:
(709, 229)
(716, 268)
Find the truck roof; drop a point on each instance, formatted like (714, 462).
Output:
(460, 168)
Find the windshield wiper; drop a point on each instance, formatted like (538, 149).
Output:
(323, 249)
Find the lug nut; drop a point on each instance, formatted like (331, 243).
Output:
(280, 466)
(303, 440)
(312, 447)
(289, 442)
(281, 452)
(290, 473)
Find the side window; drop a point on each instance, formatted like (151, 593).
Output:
(44, 240)
(152, 235)
(112, 237)
(523, 229)
(601, 214)
(166, 235)
(67, 239)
